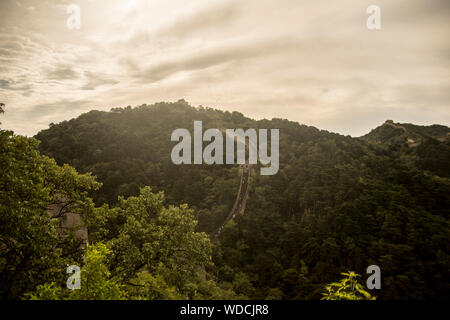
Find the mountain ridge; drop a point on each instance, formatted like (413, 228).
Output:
(390, 131)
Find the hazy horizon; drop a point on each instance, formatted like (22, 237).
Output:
(315, 63)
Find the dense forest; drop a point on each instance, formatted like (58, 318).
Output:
(337, 203)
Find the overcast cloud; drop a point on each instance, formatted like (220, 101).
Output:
(314, 62)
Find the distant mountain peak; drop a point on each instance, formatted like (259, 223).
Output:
(411, 134)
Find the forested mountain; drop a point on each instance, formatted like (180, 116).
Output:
(138, 249)
(427, 147)
(337, 203)
(391, 132)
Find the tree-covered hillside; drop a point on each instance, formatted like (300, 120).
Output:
(139, 249)
(427, 147)
(337, 203)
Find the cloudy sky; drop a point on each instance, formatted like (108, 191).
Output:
(314, 62)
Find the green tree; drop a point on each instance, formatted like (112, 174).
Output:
(96, 281)
(31, 250)
(153, 252)
(150, 238)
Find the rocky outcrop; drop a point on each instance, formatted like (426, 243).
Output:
(68, 221)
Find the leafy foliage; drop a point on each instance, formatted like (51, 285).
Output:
(31, 251)
(155, 244)
(154, 254)
(96, 281)
(347, 289)
(140, 249)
